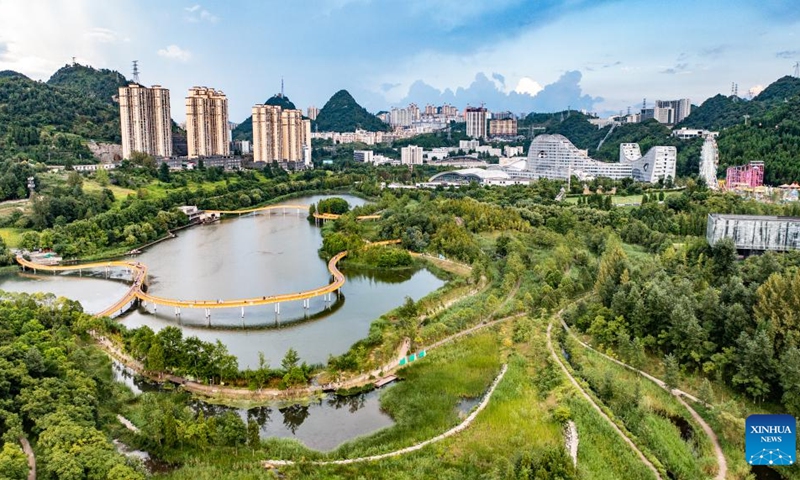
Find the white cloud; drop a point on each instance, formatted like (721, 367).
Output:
(102, 35)
(755, 90)
(175, 52)
(196, 14)
(528, 85)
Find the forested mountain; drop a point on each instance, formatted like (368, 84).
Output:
(51, 123)
(720, 112)
(766, 128)
(244, 131)
(343, 114)
(773, 137)
(99, 84)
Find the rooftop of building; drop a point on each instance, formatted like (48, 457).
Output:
(771, 218)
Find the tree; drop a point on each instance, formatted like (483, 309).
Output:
(155, 357)
(13, 462)
(253, 434)
(671, 371)
(755, 363)
(790, 380)
(778, 304)
(290, 359)
(101, 177)
(163, 172)
(612, 265)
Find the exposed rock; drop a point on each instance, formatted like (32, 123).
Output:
(106, 152)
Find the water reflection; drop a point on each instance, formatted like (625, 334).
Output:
(243, 258)
(323, 424)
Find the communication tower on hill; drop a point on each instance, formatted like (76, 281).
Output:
(136, 71)
(796, 69)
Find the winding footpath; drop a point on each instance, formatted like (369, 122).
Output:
(26, 447)
(678, 394)
(413, 448)
(594, 405)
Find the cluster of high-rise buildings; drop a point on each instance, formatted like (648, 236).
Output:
(668, 112)
(412, 116)
(279, 135)
(482, 124)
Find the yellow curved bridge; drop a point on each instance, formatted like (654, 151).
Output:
(139, 271)
(334, 216)
(259, 209)
(318, 216)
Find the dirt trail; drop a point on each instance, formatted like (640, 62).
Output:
(679, 394)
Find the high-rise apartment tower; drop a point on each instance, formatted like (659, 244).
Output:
(207, 123)
(281, 136)
(145, 120)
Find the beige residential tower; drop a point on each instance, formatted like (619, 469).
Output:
(145, 120)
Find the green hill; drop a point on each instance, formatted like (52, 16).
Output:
(343, 114)
(51, 123)
(780, 90)
(244, 131)
(720, 112)
(11, 74)
(773, 137)
(99, 84)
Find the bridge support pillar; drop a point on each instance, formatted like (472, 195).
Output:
(242, 312)
(278, 308)
(177, 311)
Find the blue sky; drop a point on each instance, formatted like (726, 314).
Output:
(542, 55)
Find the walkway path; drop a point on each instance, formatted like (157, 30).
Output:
(594, 405)
(26, 447)
(679, 394)
(267, 394)
(140, 274)
(413, 448)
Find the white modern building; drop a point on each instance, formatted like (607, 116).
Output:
(555, 157)
(364, 156)
(477, 175)
(411, 155)
(688, 133)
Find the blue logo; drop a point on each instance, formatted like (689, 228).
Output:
(770, 440)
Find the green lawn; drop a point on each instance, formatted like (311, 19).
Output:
(623, 199)
(11, 236)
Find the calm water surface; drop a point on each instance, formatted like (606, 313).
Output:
(244, 257)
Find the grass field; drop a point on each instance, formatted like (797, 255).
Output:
(120, 193)
(624, 199)
(11, 236)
